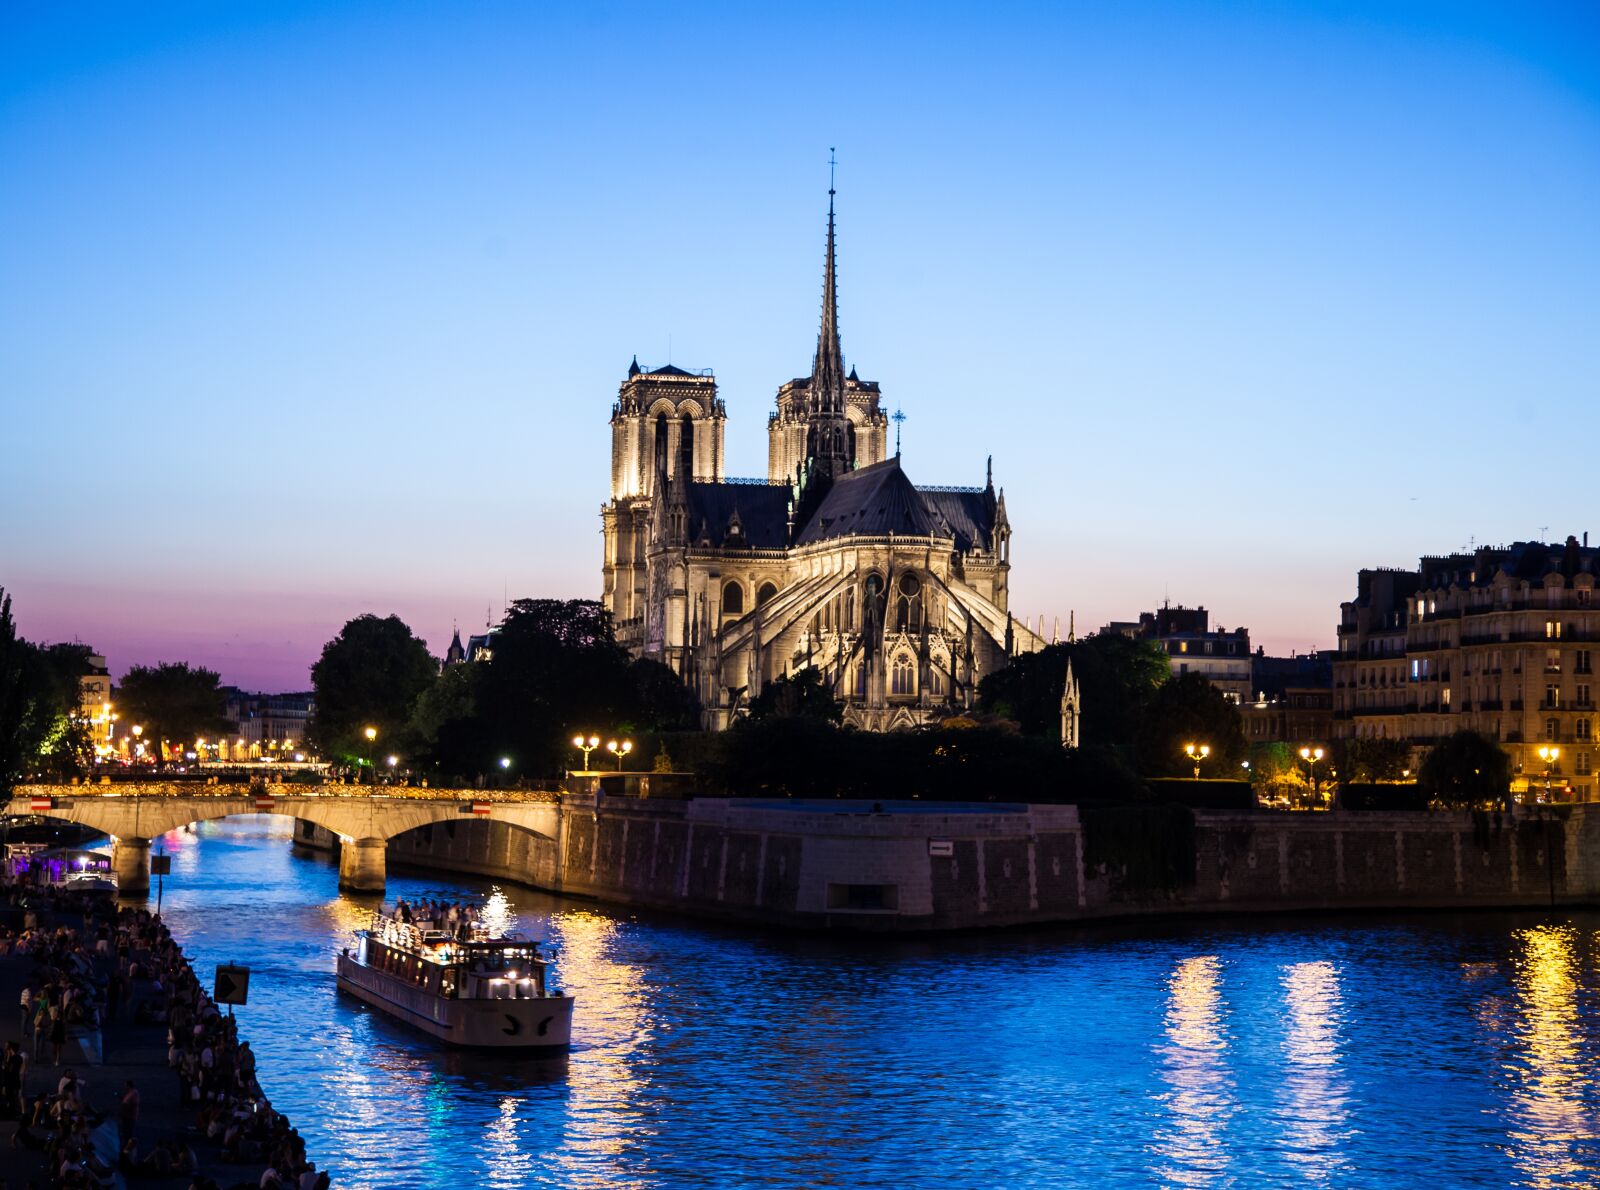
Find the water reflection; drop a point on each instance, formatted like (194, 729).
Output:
(1550, 1120)
(1314, 1090)
(1199, 1099)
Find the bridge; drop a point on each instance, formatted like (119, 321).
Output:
(364, 818)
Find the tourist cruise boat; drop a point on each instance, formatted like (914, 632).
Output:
(478, 992)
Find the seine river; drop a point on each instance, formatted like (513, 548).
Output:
(1382, 1051)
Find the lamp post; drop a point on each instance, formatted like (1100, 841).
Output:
(619, 750)
(1311, 756)
(1548, 753)
(372, 735)
(1197, 753)
(586, 745)
(392, 761)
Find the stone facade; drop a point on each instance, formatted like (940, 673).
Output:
(1501, 641)
(835, 561)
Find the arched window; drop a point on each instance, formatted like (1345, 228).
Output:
(686, 449)
(902, 678)
(732, 599)
(908, 608)
(766, 594)
(661, 442)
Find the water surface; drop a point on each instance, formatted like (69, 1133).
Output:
(1384, 1051)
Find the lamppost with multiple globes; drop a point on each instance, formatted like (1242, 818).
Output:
(586, 745)
(1311, 756)
(619, 750)
(1197, 753)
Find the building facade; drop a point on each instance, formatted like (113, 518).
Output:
(1501, 641)
(833, 561)
(1185, 635)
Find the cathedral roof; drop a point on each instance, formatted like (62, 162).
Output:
(761, 511)
(873, 501)
(967, 515)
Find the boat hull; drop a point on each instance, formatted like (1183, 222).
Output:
(541, 1025)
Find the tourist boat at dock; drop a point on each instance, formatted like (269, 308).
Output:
(470, 990)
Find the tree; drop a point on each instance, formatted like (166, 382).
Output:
(1372, 760)
(1189, 709)
(1116, 677)
(556, 670)
(370, 675)
(173, 702)
(34, 706)
(805, 695)
(662, 700)
(1467, 771)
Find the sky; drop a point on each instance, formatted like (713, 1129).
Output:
(310, 310)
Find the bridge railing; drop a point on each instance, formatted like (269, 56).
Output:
(241, 789)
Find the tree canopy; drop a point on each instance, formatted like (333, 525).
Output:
(1189, 709)
(1116, 677)
(173, 702)
(38, 701)
(1467, 771)
(805, 695)
(370, 675)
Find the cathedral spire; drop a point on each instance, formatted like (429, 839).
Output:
(828, 435)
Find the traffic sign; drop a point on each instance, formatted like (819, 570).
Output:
(160, 865)
(233, 985)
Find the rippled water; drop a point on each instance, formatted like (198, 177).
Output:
(1381, 1051)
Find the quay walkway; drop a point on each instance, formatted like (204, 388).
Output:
(123, 1049)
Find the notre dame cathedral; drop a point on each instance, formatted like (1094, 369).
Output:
(896, 594)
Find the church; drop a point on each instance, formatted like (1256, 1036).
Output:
(835, 561)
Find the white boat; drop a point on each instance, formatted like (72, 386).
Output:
(479, 992)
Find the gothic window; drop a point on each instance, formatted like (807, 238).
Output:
(908, 608)
(902, 678)
(936, 680)
(733, 598)
(871, 601)
(661, 442)
(861, 681)
(686, 449)
(766, 594)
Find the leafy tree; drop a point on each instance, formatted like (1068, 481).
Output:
(34, 706)
(1467, 771)
(1116, 677)
(67, 749)
(173, 702)
(370, 675)
(1189, 709)
(1372, 760)
(805, 695)
(1276, 770)
(556, 671)
(662, 700)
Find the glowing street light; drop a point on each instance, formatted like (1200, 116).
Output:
(372, 734)
(1548, 753)
(619, 750)
(505, 762)
(1311, 756)
(1197, 753)
(586, 745)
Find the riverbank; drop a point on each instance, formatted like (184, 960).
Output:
(199, 1117)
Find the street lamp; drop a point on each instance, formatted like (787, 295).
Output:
(1548, 753)
(1311, 756)
(619, 750)
(372, 734)
(1197, 753)
(586, 744)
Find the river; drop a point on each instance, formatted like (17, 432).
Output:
(1381, 1050)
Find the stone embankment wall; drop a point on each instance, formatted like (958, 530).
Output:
(842, 865)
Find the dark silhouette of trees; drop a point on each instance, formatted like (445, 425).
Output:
(175, 704)
(1467, 771)
(804, 696)
(370, 675)
(35, 704)
(1116, 677)
(1371, 760)
(1188, 709)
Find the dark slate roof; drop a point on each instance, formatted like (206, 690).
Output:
(669, 370)
(763, 513)
(871, 502)
(967, 516)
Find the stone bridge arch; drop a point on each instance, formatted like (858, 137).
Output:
(364, 823)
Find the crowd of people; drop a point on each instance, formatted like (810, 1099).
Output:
(454, 918)
(95, 963)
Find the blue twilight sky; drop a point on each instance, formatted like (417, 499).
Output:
(314, 309)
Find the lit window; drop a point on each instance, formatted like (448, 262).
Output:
(901, 678)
